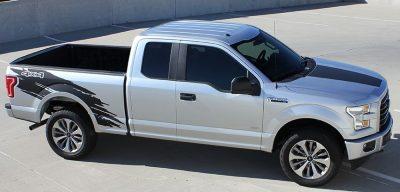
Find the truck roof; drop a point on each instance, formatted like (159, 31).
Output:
(229, 33)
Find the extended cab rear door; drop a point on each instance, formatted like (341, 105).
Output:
(207, 111)
(152, 89)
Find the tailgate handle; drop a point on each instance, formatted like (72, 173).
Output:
(188, 97)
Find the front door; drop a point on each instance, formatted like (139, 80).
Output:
(207, 111)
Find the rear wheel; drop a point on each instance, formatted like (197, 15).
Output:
(69, 135)
(310, 158)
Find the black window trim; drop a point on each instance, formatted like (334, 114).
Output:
(181, 68)
(173, 61)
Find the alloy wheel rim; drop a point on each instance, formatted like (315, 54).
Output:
(309, 159)
(67, 135)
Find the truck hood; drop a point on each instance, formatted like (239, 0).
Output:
(340, 81)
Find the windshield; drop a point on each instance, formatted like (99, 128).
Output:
(273, 58)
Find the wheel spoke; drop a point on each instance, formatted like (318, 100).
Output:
(302, 145)
(315, 171)
(293, 156)
(300, 170)
(320, 166)
(310, 147)
(68, 124)
(62, 144)
(60, 126)
(77, 144)
(59, 131)
(56, 140)
(297, 150)
(308, 170)
(324, 154)
(325, 162)
(63, 125)
(67, 146)
(318, 148)
(74, 127)
(298, 163)
(72, 144)
(77, 131)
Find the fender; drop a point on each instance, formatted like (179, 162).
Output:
(296, 112)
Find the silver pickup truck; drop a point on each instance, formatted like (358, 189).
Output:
(213, 83)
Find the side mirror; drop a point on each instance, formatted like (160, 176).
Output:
(243, 85)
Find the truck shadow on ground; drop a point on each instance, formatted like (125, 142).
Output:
(113, 149)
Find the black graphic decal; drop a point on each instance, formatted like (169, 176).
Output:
(38, 85)
(344, 75)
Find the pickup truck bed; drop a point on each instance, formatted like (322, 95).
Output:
(92, 75)
(105, 58)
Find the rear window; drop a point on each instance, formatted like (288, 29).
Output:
(156, 60)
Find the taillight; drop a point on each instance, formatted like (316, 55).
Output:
(11, 81)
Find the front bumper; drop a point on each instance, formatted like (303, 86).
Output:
(356, 148)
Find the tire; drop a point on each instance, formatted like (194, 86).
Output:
(70, 136)
(306, 167)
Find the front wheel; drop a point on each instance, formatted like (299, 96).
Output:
(310, 158)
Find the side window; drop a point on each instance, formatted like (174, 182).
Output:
(156, 58)
(213, 66)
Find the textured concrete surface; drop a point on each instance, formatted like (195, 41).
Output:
(33, 18)
(18, 20)
(139, 10)
(362, 34)
(59, 16)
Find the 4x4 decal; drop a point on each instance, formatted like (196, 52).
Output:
(27, 73)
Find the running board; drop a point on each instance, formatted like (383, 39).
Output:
(37, 125)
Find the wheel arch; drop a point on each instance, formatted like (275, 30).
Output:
(63, 99)
(302, 124)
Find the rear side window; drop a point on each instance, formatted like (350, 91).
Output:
(212, 66)
(156, 60)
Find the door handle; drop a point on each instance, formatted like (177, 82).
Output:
(188, 97)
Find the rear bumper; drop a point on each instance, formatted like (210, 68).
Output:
(23, 113)
(376, 142)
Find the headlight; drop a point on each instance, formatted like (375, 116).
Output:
(363, 115)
